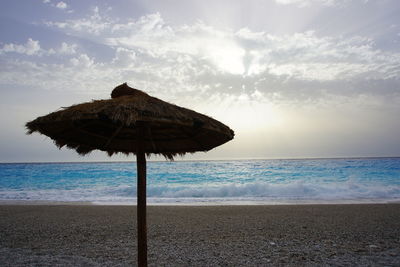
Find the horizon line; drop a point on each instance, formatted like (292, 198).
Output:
(191, 160)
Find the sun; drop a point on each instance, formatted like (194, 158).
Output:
(226, 56)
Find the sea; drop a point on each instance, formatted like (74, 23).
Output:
(230, 182)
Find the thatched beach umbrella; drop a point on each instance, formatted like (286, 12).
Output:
(133, 122)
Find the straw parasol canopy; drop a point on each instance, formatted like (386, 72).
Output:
(133, 122)
(111, 125)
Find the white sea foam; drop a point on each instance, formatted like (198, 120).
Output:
(349, 191)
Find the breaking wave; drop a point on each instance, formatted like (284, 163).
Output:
(298, 191)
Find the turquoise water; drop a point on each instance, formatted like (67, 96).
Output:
(239, 181)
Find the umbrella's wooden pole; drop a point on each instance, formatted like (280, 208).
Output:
(141, 203)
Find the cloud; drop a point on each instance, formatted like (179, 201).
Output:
(198, 40)
(68, 48)
(307, 3)
(124, 57)
(82, 60)
(94, 24)
(178, 60)
(61, 5)
(32, 47)
(303, 56)
(80, 74)
(304, 3)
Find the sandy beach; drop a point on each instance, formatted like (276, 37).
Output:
(282, 235)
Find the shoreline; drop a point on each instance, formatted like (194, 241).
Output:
(205, 203)
(264, 235)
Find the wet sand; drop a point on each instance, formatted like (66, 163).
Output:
(284, 235)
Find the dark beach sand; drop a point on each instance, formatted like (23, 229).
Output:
(303, 235)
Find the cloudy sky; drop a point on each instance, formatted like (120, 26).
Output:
(293, 78)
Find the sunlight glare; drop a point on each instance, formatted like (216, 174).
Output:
(245, 114)
(225, 54)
